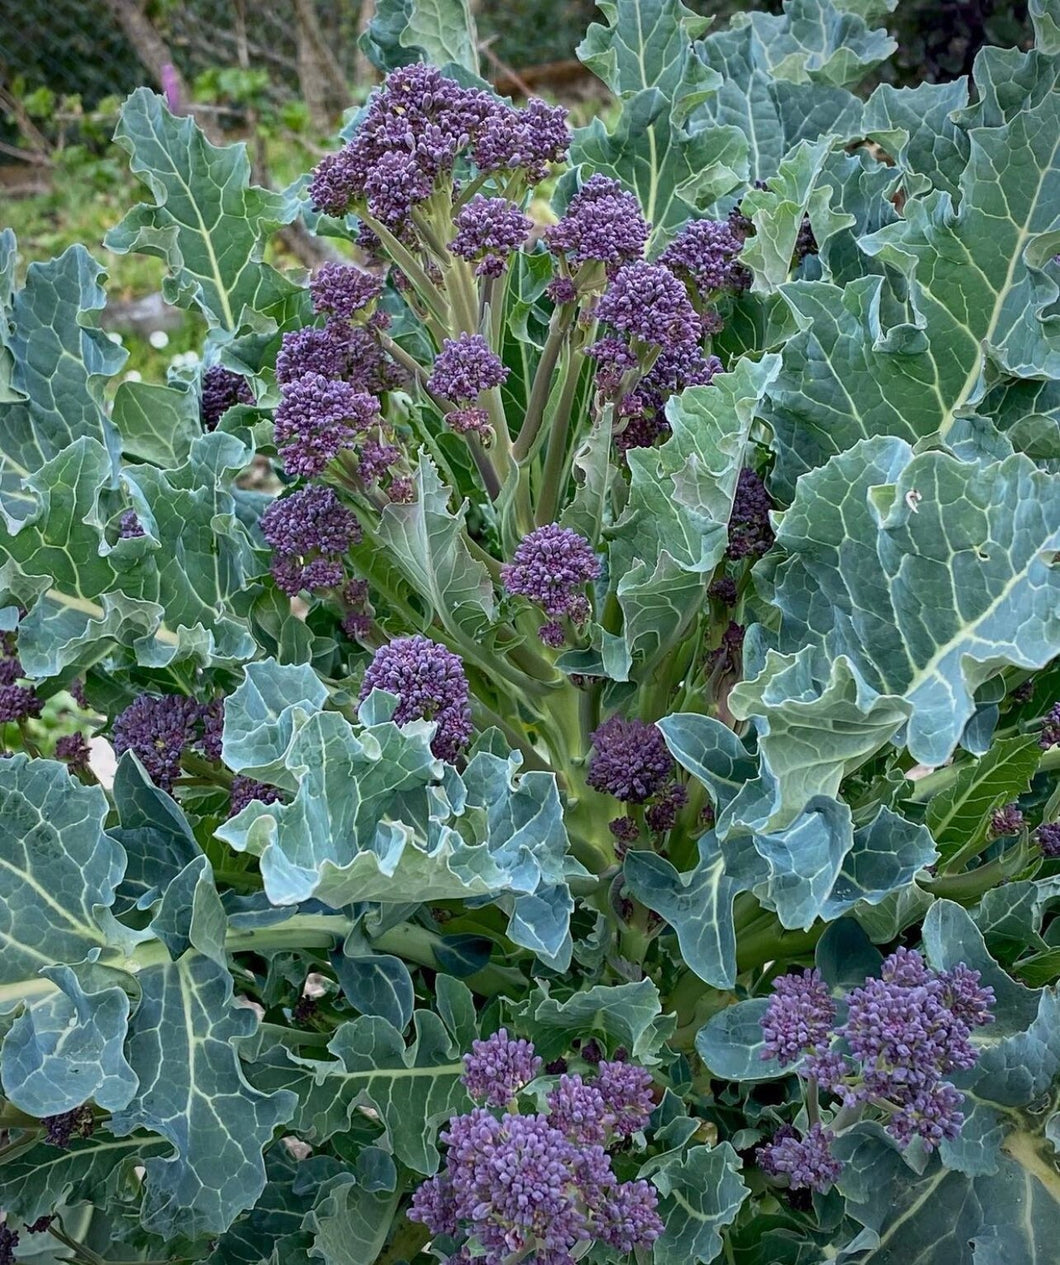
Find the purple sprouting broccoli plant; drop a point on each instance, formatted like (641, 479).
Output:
(612, 456)
(540, 1185)
(901, 1035)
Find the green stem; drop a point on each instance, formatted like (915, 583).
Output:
(531, 759)
(558, 327)
(554, 476)
(412, 268)
(772, 944)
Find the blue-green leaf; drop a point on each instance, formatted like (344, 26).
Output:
(438, 31)
(192, 1089)
(207, 221)
(700, 1194)
(58, 360)
(868, 536)
(56, 867)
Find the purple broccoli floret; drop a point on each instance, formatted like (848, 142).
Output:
(630, 760)
(750, 532)
(551, 567)
(245, 790)
(799, 1018)
(317, 419)
(74, 750)
(807, 1163)
(498, 1067)
(343, 290)
(603, 223)
(429, 682)
(464, 368)
(648, 302)
(158, 729)
(705, 251)
(488, 231)
(221, 390)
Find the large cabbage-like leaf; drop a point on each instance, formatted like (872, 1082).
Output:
(57, 361)
(414, 1089)
(165, 595)
(978, 294)
(207, 221)
(645, 44)
(700, 1193)
(438, 31)
(906, 582)
(373, 818)
(56, 867)
(192, 1088)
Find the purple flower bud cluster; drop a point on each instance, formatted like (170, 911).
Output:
(74, 750)
(488, 231)
(630, 760)
(903, 1033)
(310, 532)
(317, 418)
(675, 368)
(800, 1017)
(158, 729)
(1050, 735)
(603, 223)
(1007, 820)
(17, 702)
(129, 526)
(648, 302)
(806, 1163)
(723, 590)
(1048, 836)
(498, 1067)
(357, 616)
(661, 815)
(8, 1243)
(705, 251)
(750, 532)
(343, 290)
(221, 390)
(540, 1184)
(727, 656)
(412, 132)
(245, 791)
(551, 567)
(62, 1129)
(313, 349)
(429, 682)
(805, 242)
(464, 368)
